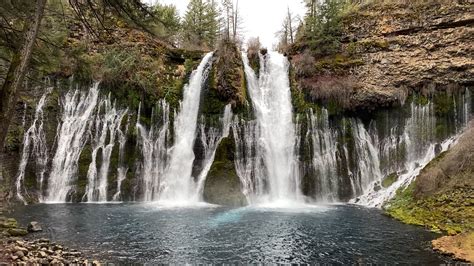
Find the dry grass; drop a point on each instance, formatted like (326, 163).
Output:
(337, 89)
(304, 64)
(439, 176)
(253, 46)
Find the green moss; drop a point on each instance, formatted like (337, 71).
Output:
(451, 212)
(17, 232)
(443, 104)
(222, 185)
(389, 180)
(298, 99)
(14, 138)
(338, 63)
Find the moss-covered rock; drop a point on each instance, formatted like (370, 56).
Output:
(17, 232)
(222, 184)
(228, 77)
(389, 180)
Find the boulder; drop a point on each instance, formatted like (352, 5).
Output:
(34, 227)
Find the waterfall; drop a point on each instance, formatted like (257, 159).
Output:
(78, 108)
(350, 158)
(105, 129)
(154, 145)
(467, 100)
(178, 185)
(324, 159)
(166, 172)
(210, 139)
(271, 99)
(34, 140)
(248, 159)
(122, 169)
(418, 144)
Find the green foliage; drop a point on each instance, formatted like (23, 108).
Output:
(165, 21)
(201, 24)
(323, 25)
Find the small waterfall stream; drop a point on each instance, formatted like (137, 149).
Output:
(154, 144)
(106, 126)
(34, 141)
(210, 139)
(122, 169)
(78, 109)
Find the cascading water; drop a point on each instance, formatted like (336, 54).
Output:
(105, 129)
(178, 185)
(78, 108)
(166, 172)
(210, 139)
(349, 158)
(34, 140)
(154, 145)
(248, 158)
(337, 158)
(324, 159)
(122, 168)
(271, 99)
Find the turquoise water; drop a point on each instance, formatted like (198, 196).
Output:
(148, 233)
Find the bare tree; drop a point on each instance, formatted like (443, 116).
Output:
(288, 31)
(232, 20)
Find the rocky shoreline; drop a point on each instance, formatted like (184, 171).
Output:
(19, 246)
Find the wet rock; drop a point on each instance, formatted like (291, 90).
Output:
(222, 184)
(34, 227)
(17, 232)
(8, 223)
(19, 254)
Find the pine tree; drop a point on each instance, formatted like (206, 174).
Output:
(201, 23)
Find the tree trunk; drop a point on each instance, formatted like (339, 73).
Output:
(17, 70)
(236, 21)
(290, 26)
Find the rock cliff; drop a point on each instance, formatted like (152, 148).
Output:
(390, 50)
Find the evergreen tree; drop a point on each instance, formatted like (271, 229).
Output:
(201, 23)
(322, 25)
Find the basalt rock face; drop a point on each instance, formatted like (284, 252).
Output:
(389, 51)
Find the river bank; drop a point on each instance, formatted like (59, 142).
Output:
(20, 246)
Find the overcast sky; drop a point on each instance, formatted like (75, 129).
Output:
(261, 18)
